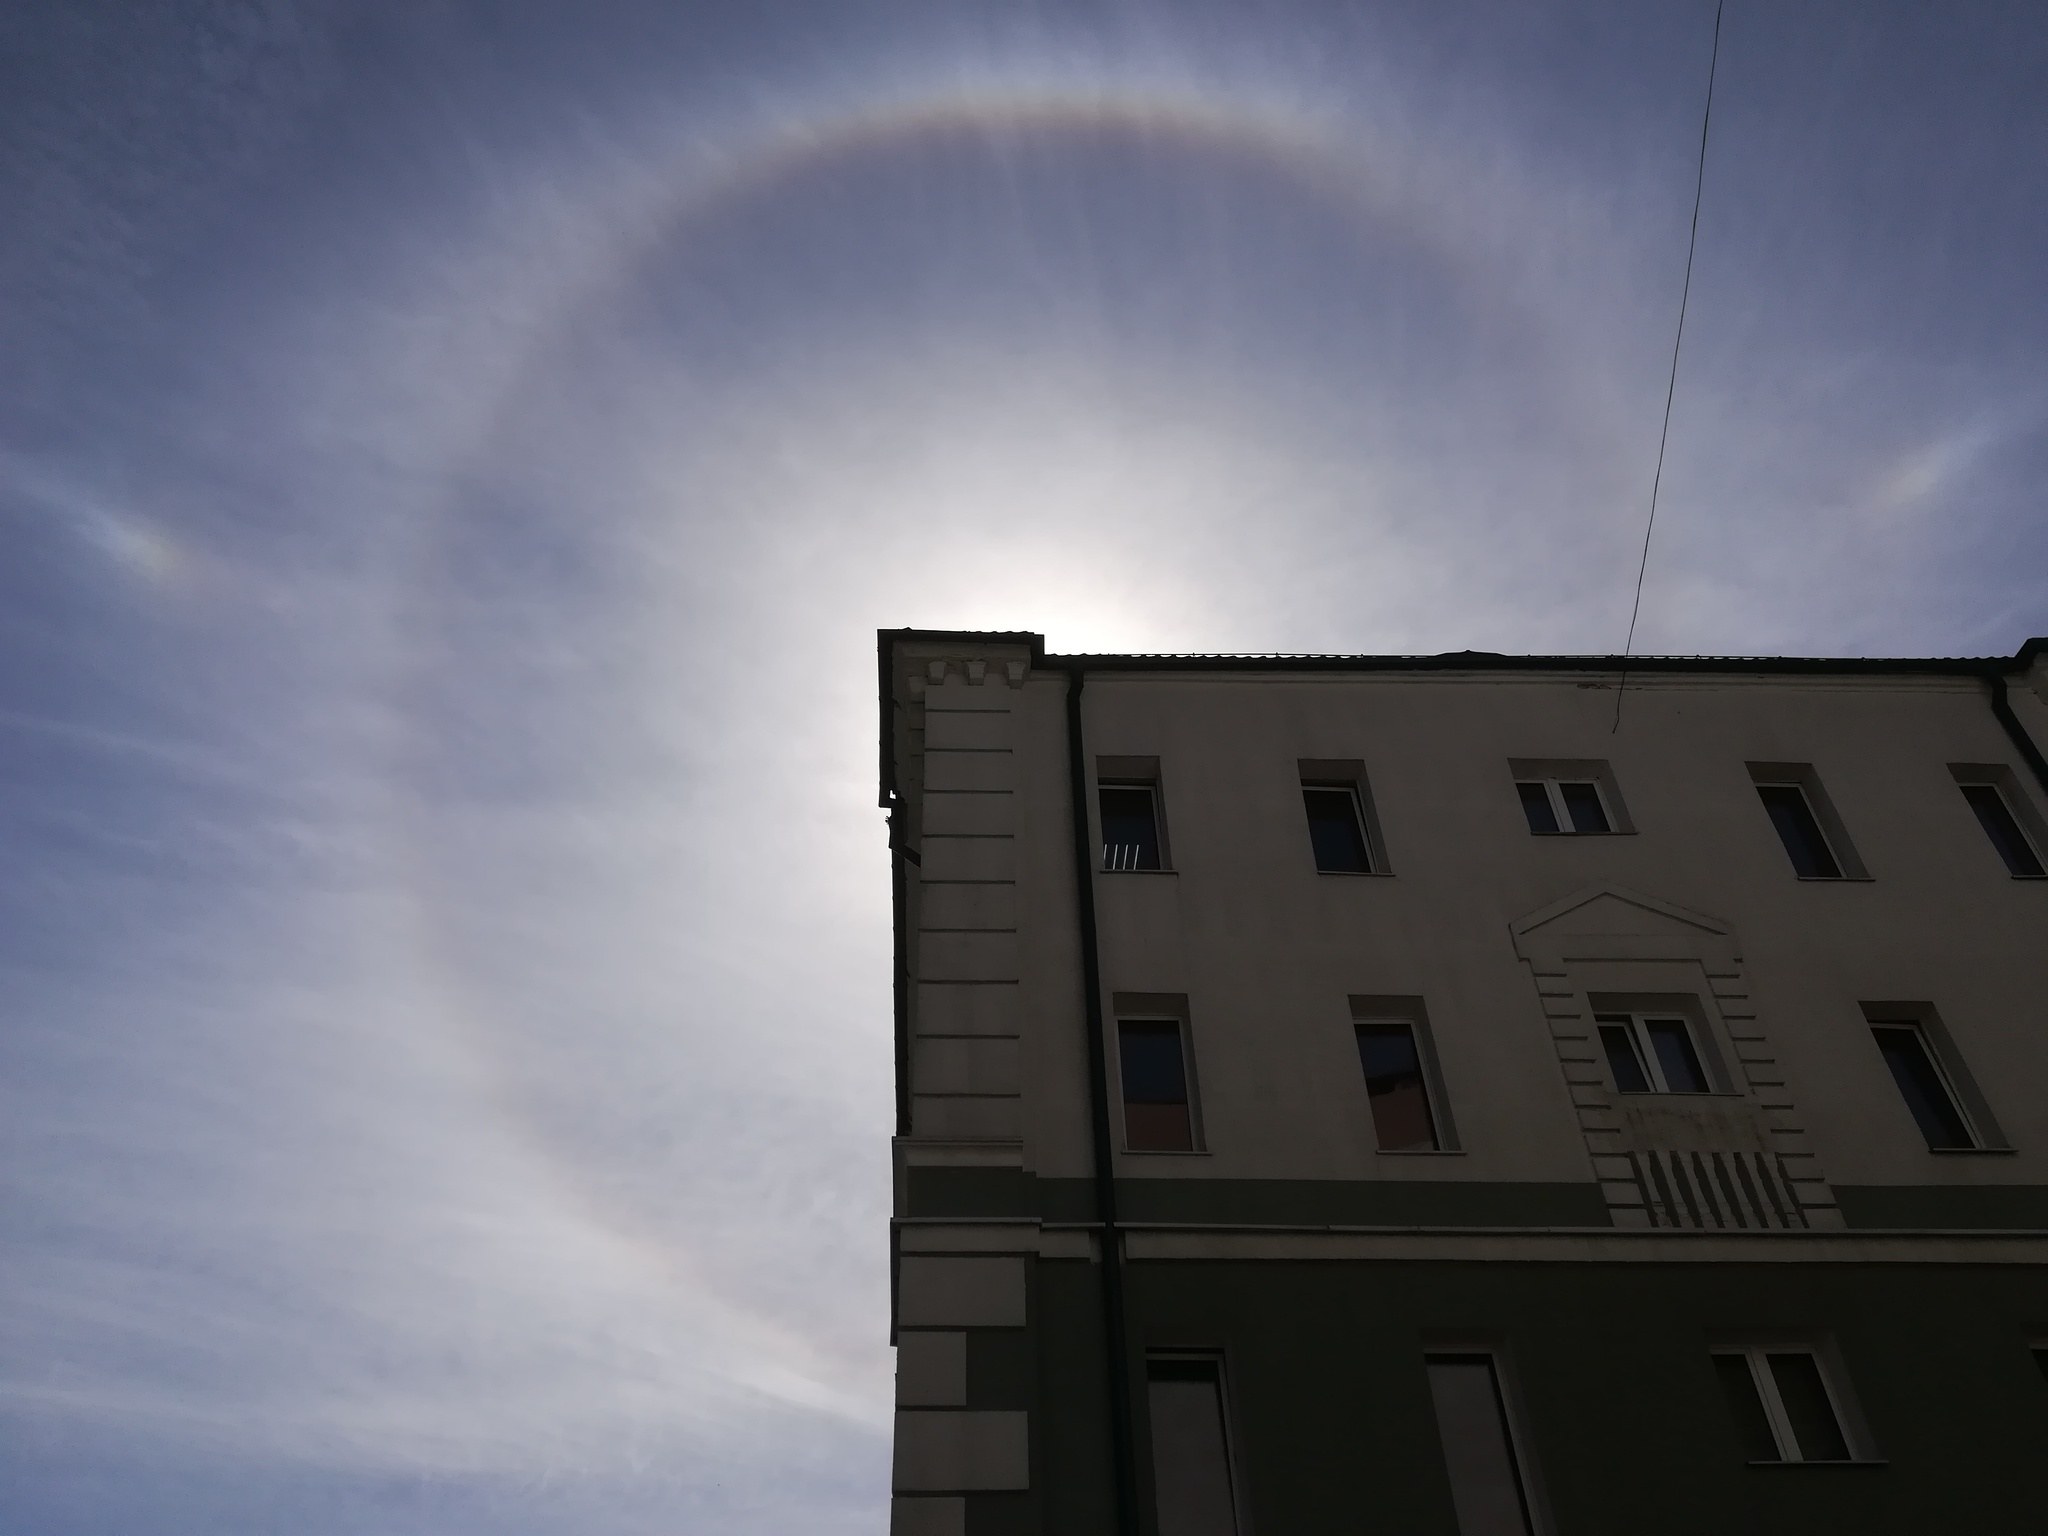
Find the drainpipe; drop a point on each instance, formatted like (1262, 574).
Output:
(1115, 1330)
(2001, 708)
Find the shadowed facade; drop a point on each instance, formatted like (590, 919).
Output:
(1345, 1093)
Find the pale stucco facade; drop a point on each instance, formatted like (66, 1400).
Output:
(1503, 945)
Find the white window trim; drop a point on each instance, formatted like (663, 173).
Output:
(2018, 812)
(1646, 1053)
(1151, 789)
(1774, 1406)
(1956, 1101)
(1359, 819)
(1562, 815)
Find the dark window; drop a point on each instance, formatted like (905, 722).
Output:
(1156, 1117)
(2041, 1359)
(1746, 1408)
(1676, 1059)
(1582, 805)
(1563, 805)
(1781, 1406)
(1191, 1482)
(1479, 1451)
(1335, 829)
(1799, 831)
(1808, 1412)
(2003, 829)
(1395, 1088)
(1920, 1083)
(1536, 806)
(1130, 826)
(1651, 1055)
(1623, 1058)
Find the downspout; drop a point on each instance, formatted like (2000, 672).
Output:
(899, 902)
(1115, 1330)
(2001, 708)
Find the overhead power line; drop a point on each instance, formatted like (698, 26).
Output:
(1671, 385)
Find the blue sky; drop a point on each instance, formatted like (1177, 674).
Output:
(453, 459)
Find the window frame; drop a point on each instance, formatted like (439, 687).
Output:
(1347, 773)
(1763, 1381)
(2003, 783)
(1150, 1011)
(1952, 1068)
(1368, 1009)
(1127, 774)
(1233, 1464)
(1560, 812)
(1638, 1022)
(1827, 821)
(1508, 1398)
(1552, 773)
(1358, 821)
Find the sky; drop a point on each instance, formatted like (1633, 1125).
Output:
(454, 459)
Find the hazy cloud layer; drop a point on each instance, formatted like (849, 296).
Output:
(453, 461)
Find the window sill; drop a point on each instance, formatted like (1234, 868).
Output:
(1833, 880)
(1358, 874)
(1973, 1151)
(1860, 1461)
(1419, 1152)
(1138, 871)
(1610, 832)
(1166, 1152)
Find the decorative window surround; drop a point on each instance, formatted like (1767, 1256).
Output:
(1711, 1162)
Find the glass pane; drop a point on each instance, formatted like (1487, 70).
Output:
(2003, 830)
(1190, 1456)
(1582, 804)
(1799, 832)
(1155, 1084)
(1486, 1486)
(1130, 829)
(1812, 1416)
(1536, 806)
(1622, 1059)
(1672, 1042)
(1926, 1095)
(1752, 1425)
(1333, 829)
(1395, 1089)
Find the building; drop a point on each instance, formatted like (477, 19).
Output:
(1353, 1094)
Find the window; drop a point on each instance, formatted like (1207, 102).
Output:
(1130, 826)
(1193, 1490)
(1799, 831)
(1336, 829)
(1554, 805)
(1995, 815)
(1569, 796)
(1396, 1087)
(1805, 821)
(1782, 1405)
(1922, 1084)
(1651, 1053)
(1404, 1089)
(1343, 830)
(1487, 1486)
(1157, 1115)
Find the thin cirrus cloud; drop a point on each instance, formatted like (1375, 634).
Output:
(454, 483)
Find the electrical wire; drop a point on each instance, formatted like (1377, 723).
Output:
(1671, 385)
